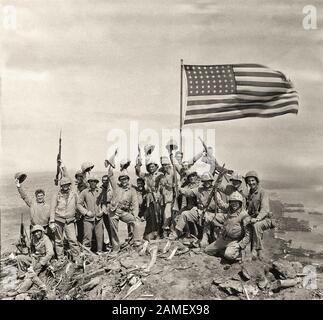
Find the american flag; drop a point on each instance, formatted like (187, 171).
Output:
(226, 92)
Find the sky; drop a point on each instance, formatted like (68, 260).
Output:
(92, 66)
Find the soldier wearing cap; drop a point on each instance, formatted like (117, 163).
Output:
(41, 252)
(123, 206)
(141, 195)
(90, 207)
(152, 182)
(167, 196)
(202, 195)
(258, 209)
(62, 218)
(235, 234)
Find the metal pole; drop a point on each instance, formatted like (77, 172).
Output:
(181, 107)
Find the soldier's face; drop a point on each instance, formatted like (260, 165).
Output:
(192, 179)
(207, 184)
(168, 168)
(252, 183)
(37, 234)
(140, 185)
(105, 183)
(236, 183)
(79, 179)
(40, 197)
(65, 188)
(93, 184)
(185, 165)
(235, 205)
(124, 182)
(179, 157)
(152, 168)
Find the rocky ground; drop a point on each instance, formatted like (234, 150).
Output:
(162, 270)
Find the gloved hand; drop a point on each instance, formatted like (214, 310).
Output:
(52, 226)
(17, 183)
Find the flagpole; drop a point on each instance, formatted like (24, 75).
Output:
(181, 108)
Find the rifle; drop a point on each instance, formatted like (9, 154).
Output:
(59, 158)
(213, 192)
(217, 167)
(22, 244)
(175, 185)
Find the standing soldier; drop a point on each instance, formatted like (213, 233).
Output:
(194, 215)
(235, 234)
(152, 181)
(90, 207)
(167, 196)
(141, 195)
(39, 209)
(123, 206)
(80, 186)
(62, 217)
(258, 209)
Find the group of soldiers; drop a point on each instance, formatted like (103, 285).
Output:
(223, 211)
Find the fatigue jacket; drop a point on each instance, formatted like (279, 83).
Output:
(39, 212)
(124, 200)
(89, 200)
(258, 204)
(229, 189)
(166, 188)
(63, 207)
(236, 227)
(188, 202)
(42, 249)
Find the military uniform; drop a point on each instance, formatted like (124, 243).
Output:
(89, 201)
(258, 208)
(123, 206)
(234, 236)
(62, 213)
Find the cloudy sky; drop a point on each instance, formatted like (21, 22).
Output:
(90, 66)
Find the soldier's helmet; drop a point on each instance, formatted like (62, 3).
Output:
(87, 166)
(236, 196)
(65, 181)
(93, 177)
(207, 176)
(253, 174)
(123, 175)
(37, 227)
(151, 161)
(236, 176)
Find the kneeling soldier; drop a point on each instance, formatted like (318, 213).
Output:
(235, 234)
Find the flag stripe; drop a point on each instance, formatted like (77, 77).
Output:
(246, 115)
(260, 79)
(238, 100)
(257, 74)
(262, 94)
(224, 108)
(263, 84)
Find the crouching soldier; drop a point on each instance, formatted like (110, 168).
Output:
(31, 266)
(202, 195)
(90, 207)
(123, 206)
(258, 209)
(235, 234)
(41, 252)
(62, 218)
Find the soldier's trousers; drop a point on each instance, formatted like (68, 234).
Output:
(227, 248)
(69, 229)
(257, 232)
(127, 218)
(97, 227)
(167, 216)
(212, 224)
(189, 216)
